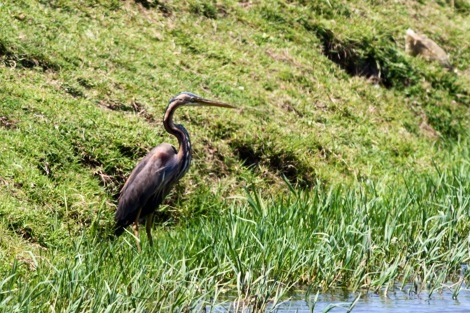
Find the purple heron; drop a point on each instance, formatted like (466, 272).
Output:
(154, 176)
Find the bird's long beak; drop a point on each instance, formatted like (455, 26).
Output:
(206, 102)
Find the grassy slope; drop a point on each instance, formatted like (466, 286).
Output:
(84, 86)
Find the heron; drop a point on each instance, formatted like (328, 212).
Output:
(154, 176)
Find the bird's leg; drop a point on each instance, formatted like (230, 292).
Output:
(148, 228)
(136, 229)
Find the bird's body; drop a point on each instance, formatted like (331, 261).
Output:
(155, 175)
(160, 163)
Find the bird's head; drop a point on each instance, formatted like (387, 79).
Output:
(190, 99)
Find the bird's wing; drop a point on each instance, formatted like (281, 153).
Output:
(149, 178)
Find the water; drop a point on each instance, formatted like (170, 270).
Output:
(397, 301)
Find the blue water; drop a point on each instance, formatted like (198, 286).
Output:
(396, 301)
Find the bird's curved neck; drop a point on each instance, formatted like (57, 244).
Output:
(177, 130)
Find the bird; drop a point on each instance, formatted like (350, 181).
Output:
(155, 175)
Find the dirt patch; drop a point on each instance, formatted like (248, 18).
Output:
(11, 58)
(139, 108)
(114, 106)
(277, 161)
(348, 57)
(89, 161)
(377, 60)
(75, 92)
(163, 7)
(247, 155)
(134, 106)
(7, 123)
(24, 232)
(44, 167)
(287, 106)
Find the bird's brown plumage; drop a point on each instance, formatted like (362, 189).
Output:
(142, 189)
(154, 176)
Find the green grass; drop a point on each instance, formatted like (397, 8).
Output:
(371, 235)
(345, 165)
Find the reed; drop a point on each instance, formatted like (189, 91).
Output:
(252, 252)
